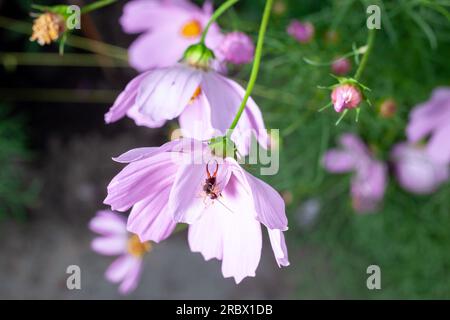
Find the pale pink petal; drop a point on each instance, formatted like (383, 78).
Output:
(142, 153)
(205, 236)
(125, 100)
(139, 179)
(223, 99)
(150, 219)
(337, 161)
(166, 98)
(141, 119)
(159, 49)
(119, 269)
(428, 116)
(143, 15)
(110, 245)
(136, 154)
(438, 147)
(235, 238)
(195, 120)
(131, 279)
(242, 243)
(353, 144)
(279, 247)
(269, 204)
(416, 171)
(108, 223)
(186, 202)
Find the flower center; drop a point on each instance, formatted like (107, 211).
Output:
(347, 96)
(191, 29)
(197, 92)
(136, 247)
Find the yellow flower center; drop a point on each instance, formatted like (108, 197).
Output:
(191, 29)
(197, 92)
(47, 28)
(136, 247)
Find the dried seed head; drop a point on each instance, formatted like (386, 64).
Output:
(47, 28)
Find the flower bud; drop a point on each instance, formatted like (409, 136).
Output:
(331, 37)
(388, 108)
(279, 7)
(198, 56)
(346, 96)
(237, 48)
(302, 32)
(341, 66)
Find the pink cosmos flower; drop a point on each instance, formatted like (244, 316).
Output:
(168, 28)
(341, 66)
(302, 32)
(205, 102)
(432, 118)
(416, 171)
(182, 181)
(345, 96)
(236, 48)
(114, 240)
(369, 179)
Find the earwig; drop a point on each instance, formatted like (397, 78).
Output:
(210, 186)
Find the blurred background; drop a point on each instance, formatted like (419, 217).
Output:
(55, 156)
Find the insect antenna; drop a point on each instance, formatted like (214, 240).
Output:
(224, 205)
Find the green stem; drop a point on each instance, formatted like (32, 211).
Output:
(224, 7)
(96, 5)
(362, 65)
(256, 63)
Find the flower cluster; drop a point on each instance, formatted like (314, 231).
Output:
(195, 180)
(168, 27)
(419, 166)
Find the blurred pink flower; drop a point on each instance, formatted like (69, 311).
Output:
(114, 240)
(341, 66)
(432, 118)
(236, 48)
(173, 183)
(205, 102)
(302, 31)
(168, 27)
(369, 179)
(416, 171)
(345, 96)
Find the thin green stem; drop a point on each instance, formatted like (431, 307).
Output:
(11, 59)
(256, 63)
(362, 65)
(96, 5)
(224, 7)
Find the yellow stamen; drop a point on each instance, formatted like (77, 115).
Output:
(191, 29)
(47, 28)
(197, 92)
(138, 248)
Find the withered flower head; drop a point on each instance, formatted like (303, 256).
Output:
(47, 28)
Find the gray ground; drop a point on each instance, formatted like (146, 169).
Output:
(34, 255)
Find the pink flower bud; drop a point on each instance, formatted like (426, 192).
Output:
(237, 48)
(302, 32)
(341, 66)
(346, 96)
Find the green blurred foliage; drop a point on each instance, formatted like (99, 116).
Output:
(409, 237)
(16, 189)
